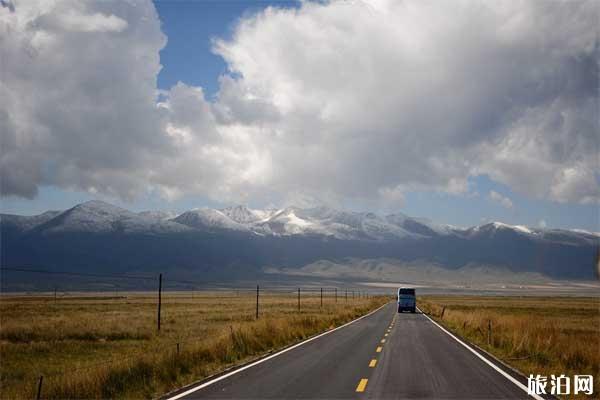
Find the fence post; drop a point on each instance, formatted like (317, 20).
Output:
(443, 311)
(336, 295)
(257, 289)
(321, 297)
(159, 299)
(177, 349)
(39, 391)
(489, 338)
(298, 299)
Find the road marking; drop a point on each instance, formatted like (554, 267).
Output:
(262, 360)
(372, 363)
(382, 340)
(379, 349)
(485, 360)
(362, 385)
(385, 335)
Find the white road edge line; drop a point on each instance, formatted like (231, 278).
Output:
(262, 360)
(488, 362)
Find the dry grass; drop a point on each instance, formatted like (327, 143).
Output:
(536, 335)
(101, 347)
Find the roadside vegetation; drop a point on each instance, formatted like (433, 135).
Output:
(536, 335)
(102, 347)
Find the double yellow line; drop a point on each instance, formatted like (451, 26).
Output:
(362, 384)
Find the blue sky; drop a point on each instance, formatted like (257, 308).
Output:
(188, 57)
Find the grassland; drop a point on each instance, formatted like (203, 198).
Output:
(102, 347)
(536, 335)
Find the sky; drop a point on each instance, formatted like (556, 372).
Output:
(463, 112)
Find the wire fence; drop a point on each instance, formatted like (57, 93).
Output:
(170, 298)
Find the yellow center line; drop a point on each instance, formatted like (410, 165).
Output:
(362, 385)
(382, 340)
(379, 349)
(372, 363)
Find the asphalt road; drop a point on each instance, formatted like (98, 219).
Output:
(382, 356)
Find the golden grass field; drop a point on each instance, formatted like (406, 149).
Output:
(536, 335)
(95, 346)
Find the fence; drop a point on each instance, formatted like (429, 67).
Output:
(178, 304)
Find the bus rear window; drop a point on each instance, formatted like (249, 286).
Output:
(410, 292)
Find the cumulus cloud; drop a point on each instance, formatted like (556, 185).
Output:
(500, 199)
(336, 100)
(78, 96)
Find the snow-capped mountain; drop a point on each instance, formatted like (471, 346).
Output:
(245, 215)
(101, 217)
(96, 234)
(207, 219)
(496, 228)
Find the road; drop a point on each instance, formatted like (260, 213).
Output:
(382, 356)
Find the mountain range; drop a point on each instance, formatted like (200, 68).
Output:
(239, 241)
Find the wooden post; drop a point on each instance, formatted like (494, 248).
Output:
(177, 349)
(336, 295)
(346, 295)
(39, 391)
(443, 311)
(257, 290)
(489, 338)
(321, 297)
(159, 299)
(298, 299)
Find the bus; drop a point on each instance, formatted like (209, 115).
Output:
(407, 300)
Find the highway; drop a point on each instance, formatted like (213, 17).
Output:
(384, 355)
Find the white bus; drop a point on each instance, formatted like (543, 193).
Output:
(407, 300)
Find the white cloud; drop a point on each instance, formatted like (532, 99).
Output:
(500, 199)
(340, 100)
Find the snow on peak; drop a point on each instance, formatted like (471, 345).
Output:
(207, 218)
(241, 214)
(519, 228)
(583, 231)
(294, 220)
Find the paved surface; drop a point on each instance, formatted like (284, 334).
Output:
(417, 360)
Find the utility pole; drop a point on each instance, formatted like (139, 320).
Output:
(159, 299)
(257, 291)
